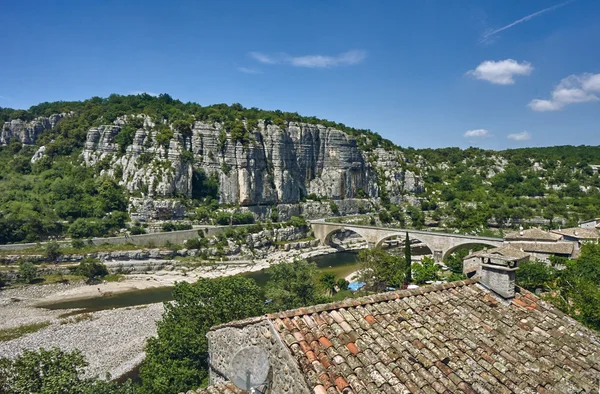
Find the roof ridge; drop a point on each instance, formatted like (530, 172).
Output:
(372, 299)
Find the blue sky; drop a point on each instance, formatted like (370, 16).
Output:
(421, 73)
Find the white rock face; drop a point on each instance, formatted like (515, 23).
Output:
(276, 167)
(27, 132)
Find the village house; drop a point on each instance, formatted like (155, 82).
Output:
(475, 336)
(540, 244)
(592, 223)
(578, 236)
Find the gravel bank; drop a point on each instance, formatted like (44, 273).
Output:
(111, 340)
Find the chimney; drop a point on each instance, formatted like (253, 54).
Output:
(498, 274)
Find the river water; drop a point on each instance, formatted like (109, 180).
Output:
(340, 264)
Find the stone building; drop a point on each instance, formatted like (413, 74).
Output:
(592, 223)
(578, 236)
(473, 262)
(540, 244)
(472, 336)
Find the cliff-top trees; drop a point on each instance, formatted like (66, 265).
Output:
(381, 269)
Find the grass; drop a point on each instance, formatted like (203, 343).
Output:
(13, 333)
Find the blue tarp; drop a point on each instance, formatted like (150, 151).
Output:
(354, 286)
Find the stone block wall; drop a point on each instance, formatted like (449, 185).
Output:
(225, 341)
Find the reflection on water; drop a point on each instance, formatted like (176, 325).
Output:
(341, 264)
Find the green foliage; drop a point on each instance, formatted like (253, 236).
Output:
(274, 214)
(534, 275)
(177, 359)
(92, 268)
(426, 270)
(380, 269)
(334, 208)
(342, 284)
(27, 272)
(171, 226)
(298, 221)
(292, 285)
(2, 280)
(328, 282)
(137, 230)
(52, 251)
(53, 371)
(77, 243)
(196, 243)
(125, 137)
(204, 186)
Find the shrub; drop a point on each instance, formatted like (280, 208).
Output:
(223, 218)
(298, 221)
(343, 284)
(52, 251)
(195, 243)
(27, 272)
(426, 270)
(137, 230)
(334, 208)
(92, 268)
(77, 243)
(242, 218)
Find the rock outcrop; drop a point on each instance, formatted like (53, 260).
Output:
(27, 132)
(277, 166)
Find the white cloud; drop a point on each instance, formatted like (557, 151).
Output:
(247, 70)
(142, 92)
(488, 34)
(312, 61)
(477, 133)
(522, 136)
(571, 90)
(501, 72)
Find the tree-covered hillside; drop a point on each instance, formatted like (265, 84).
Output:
(469, 190)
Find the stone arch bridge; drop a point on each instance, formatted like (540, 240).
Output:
(440, 244)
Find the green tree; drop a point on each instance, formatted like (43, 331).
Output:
(292, 285)
(407, 260)
(52, 251)
(177, 359)
(426, 270)
(27, 272)
(381, 269)
(342, 284)
(534, 275)
(328, 281)
(92, 268)
(53, 371)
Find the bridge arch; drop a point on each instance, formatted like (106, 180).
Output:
(327, 239)
(468, 243)
(401, 239)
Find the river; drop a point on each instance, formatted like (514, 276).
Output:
(340, 264)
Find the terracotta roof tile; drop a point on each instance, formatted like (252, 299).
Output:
(532, 234)
(451, 338)
(578, 232)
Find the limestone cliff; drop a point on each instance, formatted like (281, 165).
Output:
(277, 166)
(27, 132)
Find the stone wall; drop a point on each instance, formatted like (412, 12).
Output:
(226, 341)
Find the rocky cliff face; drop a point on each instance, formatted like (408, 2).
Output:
(278, 166)
(27, 132)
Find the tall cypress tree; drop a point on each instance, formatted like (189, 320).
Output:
(407, 258)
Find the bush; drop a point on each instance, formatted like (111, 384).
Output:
(426, 270)
(223, 218)
(137, 230)
(92, 268)
(298, 221)
(27, 272)
(334, 208)
(242, 218)
(77, 243)
(343, 284)
(195, 243)
(52, 251)
(533, 275)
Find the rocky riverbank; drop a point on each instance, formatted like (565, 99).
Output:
(111, 340)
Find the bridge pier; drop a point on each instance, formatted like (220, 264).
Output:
(438, 256)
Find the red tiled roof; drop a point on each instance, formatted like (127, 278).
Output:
(453, 337)
(443, 338)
